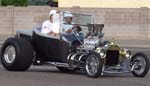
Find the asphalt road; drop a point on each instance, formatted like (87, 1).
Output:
(50, 76)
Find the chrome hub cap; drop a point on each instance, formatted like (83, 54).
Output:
(139, 65)
(10, 54)
(92, 64)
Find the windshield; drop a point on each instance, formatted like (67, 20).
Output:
(81, 20)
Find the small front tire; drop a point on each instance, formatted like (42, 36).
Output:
(93, 65)
(140, 64)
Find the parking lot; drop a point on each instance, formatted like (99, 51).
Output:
(50, 76)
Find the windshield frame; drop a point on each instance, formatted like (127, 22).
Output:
(78, 14)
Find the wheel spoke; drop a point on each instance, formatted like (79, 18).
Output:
(92, 65)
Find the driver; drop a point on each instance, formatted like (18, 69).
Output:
(69, 28)
(68, 24)
(47, 26)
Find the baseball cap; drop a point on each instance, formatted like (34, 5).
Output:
(68, 14)
(52, 12)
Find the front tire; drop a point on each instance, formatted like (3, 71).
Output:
(16, 54)
(140, 64)
(93, 65)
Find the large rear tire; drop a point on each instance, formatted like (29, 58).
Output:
(93, 65)
(16, 54)
(140, 64)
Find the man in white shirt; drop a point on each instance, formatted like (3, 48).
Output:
(48, 25)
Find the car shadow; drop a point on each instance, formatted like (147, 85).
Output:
(77, 73)
(56, 71)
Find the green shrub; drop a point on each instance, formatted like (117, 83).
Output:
(38, 2)
(52, 3)
(14, 2)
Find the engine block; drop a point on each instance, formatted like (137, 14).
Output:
(91, 43)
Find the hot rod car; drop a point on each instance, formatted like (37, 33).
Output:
(93, 54)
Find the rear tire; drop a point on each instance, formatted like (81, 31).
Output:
(139, 64)
(16, 54)
(93, 65)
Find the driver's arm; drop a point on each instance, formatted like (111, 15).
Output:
(75, 27)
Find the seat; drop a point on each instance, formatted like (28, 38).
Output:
(37, 30)
(51, 47)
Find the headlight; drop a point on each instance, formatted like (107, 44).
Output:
(102, 53)
(128, 54)
(98, 50)
(107, 43)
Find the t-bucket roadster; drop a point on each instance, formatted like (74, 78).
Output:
(92, 54)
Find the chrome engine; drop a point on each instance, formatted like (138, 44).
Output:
(91, 43)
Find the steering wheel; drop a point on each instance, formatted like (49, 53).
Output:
(76, 29)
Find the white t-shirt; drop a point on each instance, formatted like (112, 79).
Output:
(46, 27)
(56, 23)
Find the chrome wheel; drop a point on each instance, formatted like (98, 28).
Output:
(92, 65)
(10, 54)
(139, 65)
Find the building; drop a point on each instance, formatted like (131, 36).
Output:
(105, 3)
